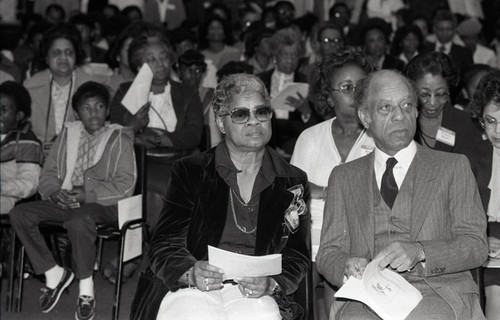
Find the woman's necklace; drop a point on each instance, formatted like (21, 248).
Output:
(242, 229)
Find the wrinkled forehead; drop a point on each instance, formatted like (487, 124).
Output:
(390, 86)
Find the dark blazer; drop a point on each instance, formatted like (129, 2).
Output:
(286, 131)
(391, 62)
(461, 56)
(467, 134)
(194, 215)
(446, 217)
(188, 110)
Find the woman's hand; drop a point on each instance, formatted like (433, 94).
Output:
(301, 104)
(207, 277)
(140, 119)
(494, 244)
(255, 287)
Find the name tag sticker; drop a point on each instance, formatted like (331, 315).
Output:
(446, 136)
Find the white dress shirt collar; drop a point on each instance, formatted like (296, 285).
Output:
(404, 157)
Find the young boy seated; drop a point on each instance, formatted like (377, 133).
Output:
(21, 152)
(90, 167)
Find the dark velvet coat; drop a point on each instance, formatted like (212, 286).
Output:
(194, 216)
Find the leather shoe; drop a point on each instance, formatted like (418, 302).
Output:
(85, 309)
(50, 297)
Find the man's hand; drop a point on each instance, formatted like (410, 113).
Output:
(355, 267)
(255, 287)
(401, 255)
(207, 277)
(494, 244)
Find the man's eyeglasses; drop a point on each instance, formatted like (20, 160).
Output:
(242, 115)
(331, 40)
(347, 88)
(441, 97)
(489, 122)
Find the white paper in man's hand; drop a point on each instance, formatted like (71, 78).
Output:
(239, 265)
(138, 93)
(280, 106)
(386, 292)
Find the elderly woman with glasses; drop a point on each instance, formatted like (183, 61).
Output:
(240, 196)
(485, 107)
(288, 48)
(337, 140)
(441, 125)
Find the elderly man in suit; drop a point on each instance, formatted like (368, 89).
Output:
(421, 215)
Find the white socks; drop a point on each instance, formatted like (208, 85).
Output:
(87, 287)
(53, 276)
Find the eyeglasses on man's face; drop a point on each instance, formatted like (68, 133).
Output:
(441, 97)
(242, 115)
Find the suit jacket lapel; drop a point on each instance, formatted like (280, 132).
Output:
(423, 189)
(362, 190)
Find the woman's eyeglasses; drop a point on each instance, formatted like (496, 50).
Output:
(331, 40)
(347, 88)
(489, 122)
(242, 115)
(441, 97)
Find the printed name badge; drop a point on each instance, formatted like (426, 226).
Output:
(446, 136)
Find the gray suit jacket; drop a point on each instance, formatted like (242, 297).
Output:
(446, 216)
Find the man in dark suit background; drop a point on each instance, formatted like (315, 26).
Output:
(421, 216)
(444, 28)
(375, 42)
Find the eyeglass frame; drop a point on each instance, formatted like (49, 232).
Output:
(327, 40)
(441, 97)
(486, 123)
(349, 92)
(230, 113)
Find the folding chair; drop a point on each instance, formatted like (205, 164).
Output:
(104, 232)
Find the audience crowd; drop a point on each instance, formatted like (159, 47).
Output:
(242, 101)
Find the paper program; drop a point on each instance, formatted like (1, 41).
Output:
(239, 265)
(385, 291)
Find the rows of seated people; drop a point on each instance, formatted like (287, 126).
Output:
(63, 119)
